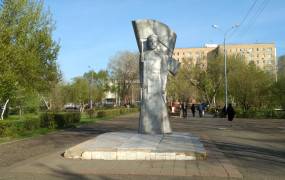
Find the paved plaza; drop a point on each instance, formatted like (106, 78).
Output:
(250, 149)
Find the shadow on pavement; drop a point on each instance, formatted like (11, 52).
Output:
(249, 153)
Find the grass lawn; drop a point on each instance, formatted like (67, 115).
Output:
(27, 134)
(85, 119)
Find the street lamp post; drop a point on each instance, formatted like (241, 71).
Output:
(90, 88)
(225, 33)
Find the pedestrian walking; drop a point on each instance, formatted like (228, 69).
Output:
(200, 110)
(231, 113)
(181, 109)
(184, 109)
(224, 112)
(193, 109)
(204, 106)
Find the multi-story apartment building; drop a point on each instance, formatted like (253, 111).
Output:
(197, 55)
(261, 54)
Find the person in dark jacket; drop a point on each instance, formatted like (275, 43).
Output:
(231, 113)
(193, 109)
(181, 109)
(200, 110)
(185, 110)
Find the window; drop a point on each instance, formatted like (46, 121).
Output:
(257, 49)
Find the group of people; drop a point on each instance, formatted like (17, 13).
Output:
(229, 111)
(201, 109)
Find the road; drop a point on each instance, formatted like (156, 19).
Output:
(250, 149)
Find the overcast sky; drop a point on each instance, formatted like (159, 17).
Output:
(92, 31)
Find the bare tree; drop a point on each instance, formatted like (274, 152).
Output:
(124, 70)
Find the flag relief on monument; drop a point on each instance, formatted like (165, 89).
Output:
(156, 42)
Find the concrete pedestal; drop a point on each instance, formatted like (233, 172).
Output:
(134, 146)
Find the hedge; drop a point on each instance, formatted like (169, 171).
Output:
(52, 120)
(114, 112)
(45, 120)
(59, 120)
(260, 114)
(14, 127)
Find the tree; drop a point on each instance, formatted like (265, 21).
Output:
(98, 83)
(248, 85)
(281, 67)
(27, 51)
(124, 71)
(278, 91)
(209, 81)
(179, 87)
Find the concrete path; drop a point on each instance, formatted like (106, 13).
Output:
(251, 149)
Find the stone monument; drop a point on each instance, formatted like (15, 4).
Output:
(156, 43)
(155, 140)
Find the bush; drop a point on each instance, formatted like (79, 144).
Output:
(50, 120)
(91, 113)
(101, 113)
(32, 123)
(260, 113)
(115, 112)
(15, 127)
(59, 120)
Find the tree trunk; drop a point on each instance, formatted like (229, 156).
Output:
(46, 103)
(4, 109)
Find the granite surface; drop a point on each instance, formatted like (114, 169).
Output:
(133, 146)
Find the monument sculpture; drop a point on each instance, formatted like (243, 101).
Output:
(155, 140)
(156, 42)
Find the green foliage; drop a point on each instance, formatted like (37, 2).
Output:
(13, 128)
(249, 86)
(260, 113)
(115, 112)
(81, 89)
(27, 52)
(98, 84)
(59, 120)
(196, 82)
(281, 67)
(91, 113)
(278, 91)
(179, 87)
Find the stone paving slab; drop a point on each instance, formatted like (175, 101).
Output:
(133, 146)
(53, 164)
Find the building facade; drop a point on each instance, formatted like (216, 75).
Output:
(263, 55)
(197, 56)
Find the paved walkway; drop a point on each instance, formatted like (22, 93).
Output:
(251, 149)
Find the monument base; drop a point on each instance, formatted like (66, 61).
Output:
(134, 146)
